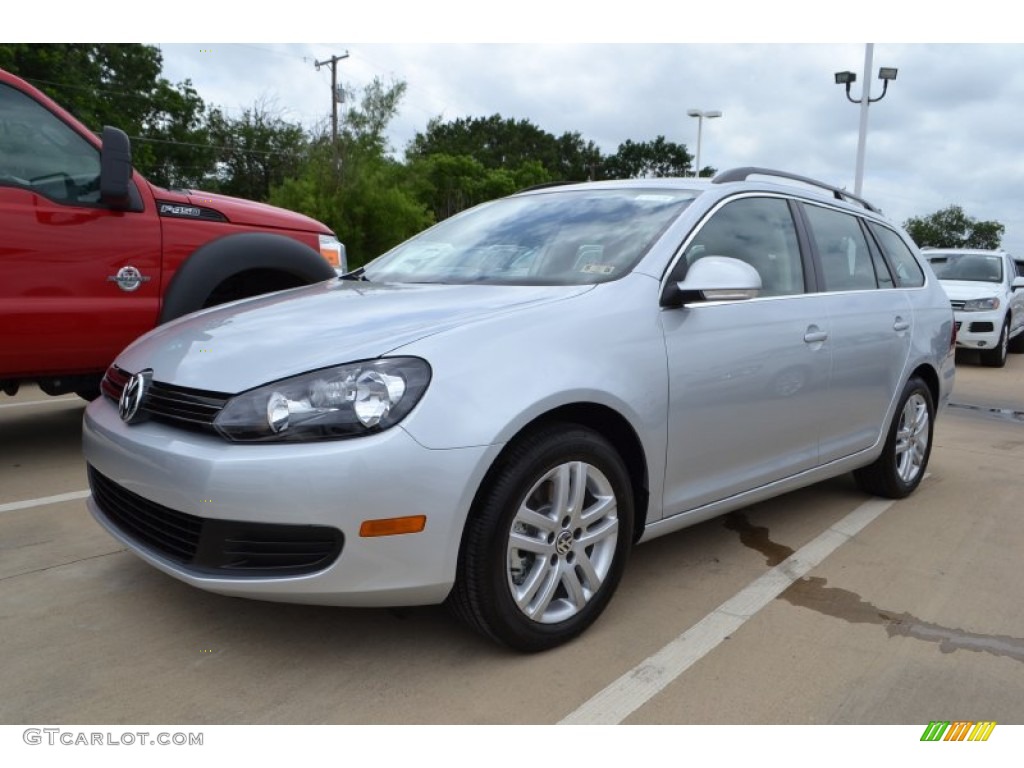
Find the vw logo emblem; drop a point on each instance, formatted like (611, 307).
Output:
(132, 395)
(563, 544)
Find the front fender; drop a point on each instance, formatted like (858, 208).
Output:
(216, 261)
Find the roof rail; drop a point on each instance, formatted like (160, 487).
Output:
(545, 185)
(741, 174)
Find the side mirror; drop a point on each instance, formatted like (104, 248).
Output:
(1017, 283)
(714, 278)
(115, 168)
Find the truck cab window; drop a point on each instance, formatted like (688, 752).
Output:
(40, 152)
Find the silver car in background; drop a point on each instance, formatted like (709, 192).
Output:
(492, 414)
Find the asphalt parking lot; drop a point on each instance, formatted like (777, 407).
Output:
(915, 616)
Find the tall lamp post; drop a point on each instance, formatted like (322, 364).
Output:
(885, 74)
(700, 125)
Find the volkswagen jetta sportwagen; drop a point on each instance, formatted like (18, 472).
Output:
(494, 412)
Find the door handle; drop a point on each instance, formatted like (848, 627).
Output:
(900, 324)
(815, 335)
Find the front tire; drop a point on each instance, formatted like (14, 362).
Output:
(1016, 344)
(996, 357)
(898, 471)
(547, 541)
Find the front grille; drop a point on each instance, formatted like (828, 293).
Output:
(184, 407)
(957, 305)
(216, 547)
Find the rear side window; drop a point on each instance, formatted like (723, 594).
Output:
(759, 231)
(843, 249)
(908, 271)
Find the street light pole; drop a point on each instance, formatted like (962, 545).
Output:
(885, 74)
(700, 125)
(862, 135)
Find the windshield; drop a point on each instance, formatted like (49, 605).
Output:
(973, 267)
(567, 237)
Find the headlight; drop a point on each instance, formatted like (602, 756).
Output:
(344, 401)
(981, 305)
(334, 251)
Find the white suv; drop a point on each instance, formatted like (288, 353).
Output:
(985, 291)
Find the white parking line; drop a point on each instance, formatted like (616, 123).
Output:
(638, 686)
(48, 401)
(42, 502)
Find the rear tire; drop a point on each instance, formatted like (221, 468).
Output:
(898, 471)
(547, 540)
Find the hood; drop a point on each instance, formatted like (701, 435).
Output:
(239, 211)
(962, 290)
(248, 343)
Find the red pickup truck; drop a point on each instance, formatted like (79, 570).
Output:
(92, 255)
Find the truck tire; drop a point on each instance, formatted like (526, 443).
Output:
(208, 275)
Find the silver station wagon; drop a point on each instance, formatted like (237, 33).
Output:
(493, 413)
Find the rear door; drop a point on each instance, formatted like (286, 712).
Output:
(78, 281)
(871, 322)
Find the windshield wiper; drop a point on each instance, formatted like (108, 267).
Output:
(356, 274)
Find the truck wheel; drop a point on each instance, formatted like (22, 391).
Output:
(251, 283)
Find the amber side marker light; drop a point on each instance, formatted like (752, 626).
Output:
(392, 526)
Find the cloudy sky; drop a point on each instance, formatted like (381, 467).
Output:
(950, 130)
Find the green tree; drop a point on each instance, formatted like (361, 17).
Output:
(120, 85)
(256, 151)
(447, 184)
(506, 143)
(952, 228)
(354, 186)
(658, 158)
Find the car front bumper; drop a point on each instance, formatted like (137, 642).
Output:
(978, 330)
(324, 486)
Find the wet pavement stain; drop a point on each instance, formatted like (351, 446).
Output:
(813, 592)
(1002, 413)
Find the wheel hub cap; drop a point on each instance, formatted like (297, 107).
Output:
(564, 543)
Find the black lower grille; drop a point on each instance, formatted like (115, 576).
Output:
(184, 407)
(212, 546)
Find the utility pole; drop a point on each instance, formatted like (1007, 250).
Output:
(333, 61)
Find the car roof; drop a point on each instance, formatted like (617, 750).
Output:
(730, 182)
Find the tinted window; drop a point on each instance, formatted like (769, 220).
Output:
(972, 267)
(42, 153)
(908, 271)
(882, 270)
(845, 257)
(759, 231)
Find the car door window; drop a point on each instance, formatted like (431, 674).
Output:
(760, 232)
(908, 271)
(42, 153)
(843, 249)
